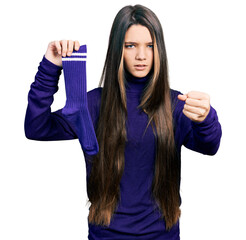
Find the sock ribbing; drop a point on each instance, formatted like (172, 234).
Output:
(76, 107)
(74, 68)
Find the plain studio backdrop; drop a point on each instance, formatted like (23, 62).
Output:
(43, 184)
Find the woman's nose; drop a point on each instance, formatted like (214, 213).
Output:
(140, 54)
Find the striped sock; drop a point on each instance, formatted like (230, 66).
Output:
(76, 108)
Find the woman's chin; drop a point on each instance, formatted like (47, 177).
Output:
(140, 74)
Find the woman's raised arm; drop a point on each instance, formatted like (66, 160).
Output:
(40, 122)
(74, 120)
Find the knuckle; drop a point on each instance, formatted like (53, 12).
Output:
(190, 93)
(70, 46)
(203, 111)
(58, 45)
(196, 118)
(64, 43)
(187, 100)
(186, 107)
(76, 43)
(206, 106)
(206, 96)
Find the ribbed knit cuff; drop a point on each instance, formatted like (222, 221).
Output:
(74, 68)
(48, 74)
(50, 68)
(211, 117)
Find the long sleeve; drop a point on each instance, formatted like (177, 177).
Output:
(40, 123)
(203, 137)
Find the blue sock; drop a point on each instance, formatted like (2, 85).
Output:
(76, 108)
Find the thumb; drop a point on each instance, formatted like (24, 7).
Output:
(182, 97)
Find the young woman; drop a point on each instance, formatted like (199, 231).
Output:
(131, 129)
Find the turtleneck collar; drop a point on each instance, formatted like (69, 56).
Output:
(135, 85)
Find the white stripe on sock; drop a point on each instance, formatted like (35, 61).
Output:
(73, 59)
(79, 54)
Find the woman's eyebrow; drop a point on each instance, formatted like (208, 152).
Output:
(130, 42)
(137, 42)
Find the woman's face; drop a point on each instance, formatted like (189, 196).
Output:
(138, 51)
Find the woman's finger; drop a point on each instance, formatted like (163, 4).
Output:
(192, 116)
(196, 103)
(76, 45)
(58, 47)
(70, 47)
(182, 97)
(197, 110)
(198, 95)
(64, 47)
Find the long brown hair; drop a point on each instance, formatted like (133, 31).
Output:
(108, 165)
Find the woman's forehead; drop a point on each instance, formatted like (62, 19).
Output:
(138, 33)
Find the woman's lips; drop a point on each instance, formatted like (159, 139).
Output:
(140, 67)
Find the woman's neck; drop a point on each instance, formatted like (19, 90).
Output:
(135, 84)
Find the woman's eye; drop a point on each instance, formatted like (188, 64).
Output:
(150, 46)
(129, 46)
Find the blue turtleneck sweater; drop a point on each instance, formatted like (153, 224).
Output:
(137, 215)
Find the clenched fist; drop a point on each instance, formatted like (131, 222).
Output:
(197, 105)
(57, 49)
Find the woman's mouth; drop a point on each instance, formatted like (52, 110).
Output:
(140, 67)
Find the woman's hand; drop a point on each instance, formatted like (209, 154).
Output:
(197, 105)
(57, 49)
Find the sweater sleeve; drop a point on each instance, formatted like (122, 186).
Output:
(203, 137)
(40, 123)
